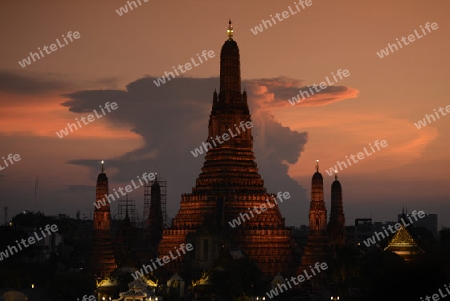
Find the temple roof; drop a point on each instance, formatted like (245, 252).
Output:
(402, 237)
(404, 244)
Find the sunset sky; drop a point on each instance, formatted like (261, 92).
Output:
(116, 58)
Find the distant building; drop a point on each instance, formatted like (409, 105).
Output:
(363, 229)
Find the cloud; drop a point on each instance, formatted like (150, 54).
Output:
(27, 83)
(87, 101)
(283, 88)
(173, 118)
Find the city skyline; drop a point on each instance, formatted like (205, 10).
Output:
(155, 128)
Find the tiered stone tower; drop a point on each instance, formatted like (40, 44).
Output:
(336, 226)
(317, 247)
(101, 259)
(229, 184)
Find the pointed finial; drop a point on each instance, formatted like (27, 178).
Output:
(103, 162)
(335, 174)
(230, 31)
(317, 165)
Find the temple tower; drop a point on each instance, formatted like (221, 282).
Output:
(155, 217)
(317, 247)
(336, 226)
(101, 259)
(228, 185)
(125, 241)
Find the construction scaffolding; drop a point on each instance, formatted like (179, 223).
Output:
(147, 200)
(128, 206)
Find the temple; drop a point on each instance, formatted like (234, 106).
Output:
(336, 225)
(227, 186)
(101, 260)
(317, 247)
(155, 217)
(404, 244)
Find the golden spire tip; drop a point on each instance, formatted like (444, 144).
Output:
(230, 30)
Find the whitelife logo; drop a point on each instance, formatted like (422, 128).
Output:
(296, 99)
(31, 240)
(225, 137)
(411, 38)
(166, 259)
(110, 197)
(284, 15)
(423, 122)
(380, 235)
(437, 297)
(86, 298)
(162, 80)
(10, 157)
(90, 118)
(360, 156)
(124, 9)
(297, 280)
(237, 221)
(27, 61)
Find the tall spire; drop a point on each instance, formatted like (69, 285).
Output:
(230, 67)
(102, 218)
(336, 226)
(230, 106)
(155, 217)
(317, 244)
(101, 258)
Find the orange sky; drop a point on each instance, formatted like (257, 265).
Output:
(383, 100)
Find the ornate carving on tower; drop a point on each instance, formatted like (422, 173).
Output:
(228, 185)
(101, 259)
(336, 226)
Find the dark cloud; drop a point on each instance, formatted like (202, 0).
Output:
(173, 119)
(87, 101)
(21, 83)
